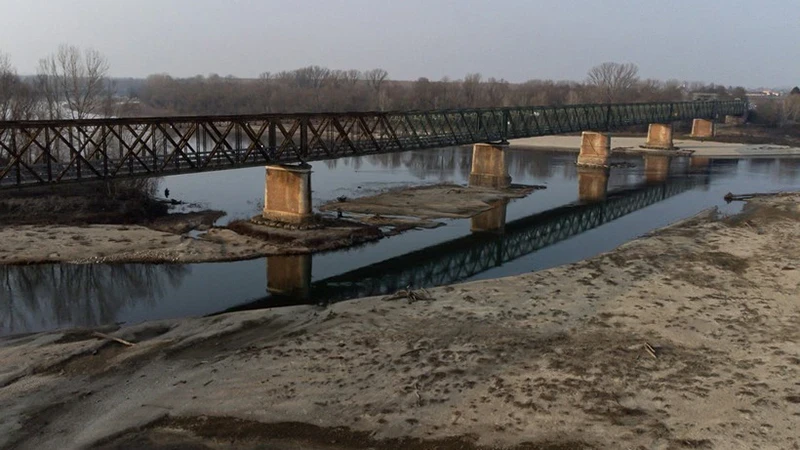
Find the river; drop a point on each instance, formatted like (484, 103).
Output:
(549, 227)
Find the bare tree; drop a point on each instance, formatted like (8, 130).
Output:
(313, 77)
(8, 82)
(613, 80)
(352, 76)
(471, 88)
(496, 92)
(375, 79)
(74, 82)
(791, 109)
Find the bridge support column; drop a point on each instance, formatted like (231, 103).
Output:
(287, 194)
(489, 166)
(492, 220)
(656, 168)
(592, 184)
(595, 148)
(659, 136)
(289, 275)
(702, 128)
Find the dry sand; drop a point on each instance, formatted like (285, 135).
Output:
(395, 211)
(556, 359)
(430, 202)
(124, 243)
(700, 148)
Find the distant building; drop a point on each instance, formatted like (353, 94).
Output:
(705, 96)
(764, 93)
(795, 91)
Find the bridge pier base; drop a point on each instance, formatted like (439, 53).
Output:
(592, 184)
(595, 148)
(287, 194)
(489, 166)
(702, 128)
(656, 168)
(492, 220)
(659, 136)
(289, 275)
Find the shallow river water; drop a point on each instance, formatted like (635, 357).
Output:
(548, 228)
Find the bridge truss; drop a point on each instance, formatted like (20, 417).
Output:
(52, 152)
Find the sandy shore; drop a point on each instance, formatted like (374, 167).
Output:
(166, 241)
(686, 338)
(700, 148)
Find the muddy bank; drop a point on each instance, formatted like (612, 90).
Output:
(168, 239)
(685, 338)
(131, 202)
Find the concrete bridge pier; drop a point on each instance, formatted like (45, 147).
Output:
(659, 136)
(595, 148)
(289, 275)
(489, 166)
(287, 194)
(656, 168)
(592, 184)
(703, 128)
(492, 220)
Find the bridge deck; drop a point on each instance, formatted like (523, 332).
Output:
(52, 152)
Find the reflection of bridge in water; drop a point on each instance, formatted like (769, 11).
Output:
(492, 243)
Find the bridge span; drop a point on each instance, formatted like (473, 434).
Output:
(60, 151)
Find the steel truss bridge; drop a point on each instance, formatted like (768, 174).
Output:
(460, 259)
(52, 152)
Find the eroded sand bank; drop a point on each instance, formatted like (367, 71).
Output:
(686, 338)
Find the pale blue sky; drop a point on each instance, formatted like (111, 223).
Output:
(752, 43)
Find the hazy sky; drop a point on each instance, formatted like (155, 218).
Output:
(747, 42)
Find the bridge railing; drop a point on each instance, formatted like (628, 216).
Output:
(46, 152)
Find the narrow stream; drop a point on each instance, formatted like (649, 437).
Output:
(548, 228)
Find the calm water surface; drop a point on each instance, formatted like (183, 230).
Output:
(548, 228)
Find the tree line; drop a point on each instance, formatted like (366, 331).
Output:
(74, 83)
(316, 88)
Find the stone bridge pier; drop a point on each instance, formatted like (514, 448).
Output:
(659, 136)
(287, 194)
(595, 148)
(489, 166)
(703, 128)
(289, 275)
(592, 184)
(492, 220)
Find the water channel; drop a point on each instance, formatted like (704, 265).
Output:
(548, 228)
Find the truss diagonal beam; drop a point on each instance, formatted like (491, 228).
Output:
(48, 152)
